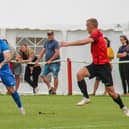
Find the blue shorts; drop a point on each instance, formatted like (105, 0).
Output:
(7, 77)
(52, 68)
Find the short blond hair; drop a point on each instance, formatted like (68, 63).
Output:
(93, 21)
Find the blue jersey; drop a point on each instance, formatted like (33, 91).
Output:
(3, 48)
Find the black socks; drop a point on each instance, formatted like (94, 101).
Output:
(83, 87)
(119, 102)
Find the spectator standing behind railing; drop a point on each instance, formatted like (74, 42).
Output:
(27, 55)
(123, 68)
(17, 71)
(51, 51)
(110, 54)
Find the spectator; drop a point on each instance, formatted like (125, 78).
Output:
(123, 56)
(51, 50)
(17, 71)
(27, 55)
(110, 54)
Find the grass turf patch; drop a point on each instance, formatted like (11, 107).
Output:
(60, 112)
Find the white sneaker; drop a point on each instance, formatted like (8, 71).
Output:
(83, 102)
(22, 111)
(36, 90)
(126, 111)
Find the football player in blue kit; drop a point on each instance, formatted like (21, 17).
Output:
(6, 75)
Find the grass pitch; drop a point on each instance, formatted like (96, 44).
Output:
(60, 112)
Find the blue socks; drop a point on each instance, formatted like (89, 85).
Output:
(17, 100)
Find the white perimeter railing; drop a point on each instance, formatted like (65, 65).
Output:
(67, 79)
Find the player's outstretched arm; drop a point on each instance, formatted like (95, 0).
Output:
(77, 43)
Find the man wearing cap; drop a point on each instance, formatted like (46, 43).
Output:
(51, 51)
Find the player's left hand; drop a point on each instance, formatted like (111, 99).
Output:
(49, 62)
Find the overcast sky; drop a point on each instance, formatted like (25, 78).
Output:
(73, 12)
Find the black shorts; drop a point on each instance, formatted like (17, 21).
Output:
(103, 72)
(98, 78)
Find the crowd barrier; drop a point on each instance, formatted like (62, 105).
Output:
(69, 69)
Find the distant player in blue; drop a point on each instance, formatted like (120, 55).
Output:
(6, 74)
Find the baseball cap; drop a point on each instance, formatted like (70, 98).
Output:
(50, 33)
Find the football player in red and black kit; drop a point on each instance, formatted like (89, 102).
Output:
(100, 66)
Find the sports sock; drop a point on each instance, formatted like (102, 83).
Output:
(119, 101)
(83, 87)
(17, 100)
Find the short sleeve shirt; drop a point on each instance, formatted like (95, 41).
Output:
(98, 48)
(121, 50)
(3, 48)
(50, 47)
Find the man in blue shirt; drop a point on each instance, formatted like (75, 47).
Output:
(51, 51)
(7, 76)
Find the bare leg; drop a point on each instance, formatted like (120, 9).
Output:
(83, 86)
(55, 84)
(81, 82)
(111, 92)
(96, 85)
(82, 74)
(17, 77)
(10, 90)
(45, 79)
(105, 92)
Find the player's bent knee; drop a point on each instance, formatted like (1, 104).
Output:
(82, 74)
(111, 92)
(11, 90)
(79, 76)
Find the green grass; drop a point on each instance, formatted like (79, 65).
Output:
(60, 112)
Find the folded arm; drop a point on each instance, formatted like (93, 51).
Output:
(120, 55)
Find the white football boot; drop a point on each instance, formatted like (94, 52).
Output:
(125, 111)
(83, 101)
(22, 111)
